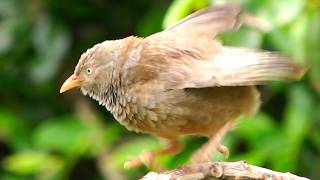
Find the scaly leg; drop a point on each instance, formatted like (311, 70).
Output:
(205, 152)
(147, 158)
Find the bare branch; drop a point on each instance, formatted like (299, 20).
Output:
(221, 170)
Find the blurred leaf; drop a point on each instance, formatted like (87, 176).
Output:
(6, 37)
(111, 133)
(51, 42)
(277, 87)
(298, 114)
(150, 22)
(181, 8)
(284, 156)
(244, 37)
(256, 128)
(315, 133)
(7, 8)
(292, 39)
(11, 176)
(66, 134)
(297, 124)
(263, 138)
(132, 148)
(277, 12)
(297, 33)
(31, 162)
(313, 44)
(103, 137)
(189, 145)
(263, 150)
(7, 24)
(12, 130)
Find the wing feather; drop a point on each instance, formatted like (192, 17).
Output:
(210, 21)
(186, 63)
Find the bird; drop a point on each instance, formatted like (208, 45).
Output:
(181, 81)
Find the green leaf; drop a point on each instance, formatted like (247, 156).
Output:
(277, 12)
(255, 128)
(263, 149)
(315, 133)
(298, 115)
(66, 135)
(298, 35)
(134, 147)
(7, 25)
(31, 162)
(190, 145)
(181, 8)
(150, 22)
(111, 134)
(313, 44)
(291, 40)
(244, 37)
(297, 125)
(10, 176)
(6, 36)
(12, 130)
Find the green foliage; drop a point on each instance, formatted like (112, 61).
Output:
(44, 135)
(278, 13)
(31, 162)
(12, 131)
(132, 148)
(181, 8)
(65, 135)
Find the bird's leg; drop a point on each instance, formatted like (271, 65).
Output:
(147, 158)
(205, 152)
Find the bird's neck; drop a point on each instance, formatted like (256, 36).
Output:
(114, 98)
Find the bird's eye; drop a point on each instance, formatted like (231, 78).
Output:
(89, 70)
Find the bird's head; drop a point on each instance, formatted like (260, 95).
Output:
(94, 69)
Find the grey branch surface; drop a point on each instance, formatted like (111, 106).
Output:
(221, 170)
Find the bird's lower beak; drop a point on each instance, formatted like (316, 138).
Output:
(72, 82)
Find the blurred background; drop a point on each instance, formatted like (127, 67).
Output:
(47, 135)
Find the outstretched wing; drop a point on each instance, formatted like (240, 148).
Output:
(177, 63)
(242, 67)
(210, 21)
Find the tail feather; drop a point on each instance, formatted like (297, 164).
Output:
(241, 66)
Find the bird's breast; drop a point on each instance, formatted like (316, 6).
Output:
(194, 111)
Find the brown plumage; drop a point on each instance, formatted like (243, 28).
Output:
(180, 81)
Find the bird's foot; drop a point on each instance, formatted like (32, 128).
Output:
(148, 157)
(204, 154)
(223, 150)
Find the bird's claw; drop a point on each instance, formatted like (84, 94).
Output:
(223, 150)
(146, 158)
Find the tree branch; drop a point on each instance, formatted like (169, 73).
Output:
(221, 170)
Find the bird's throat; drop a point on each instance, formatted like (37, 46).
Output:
(113, 97)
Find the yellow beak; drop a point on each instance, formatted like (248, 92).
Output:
(72, 82)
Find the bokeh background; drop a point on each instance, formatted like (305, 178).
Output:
(47, 135)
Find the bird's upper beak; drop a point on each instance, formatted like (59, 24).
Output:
(72, 82)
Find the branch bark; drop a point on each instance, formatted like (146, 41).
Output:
(221, 170)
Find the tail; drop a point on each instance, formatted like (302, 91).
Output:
(242, 66)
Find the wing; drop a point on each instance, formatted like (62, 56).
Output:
(209, 21)
(242, 67)
(177, 63)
